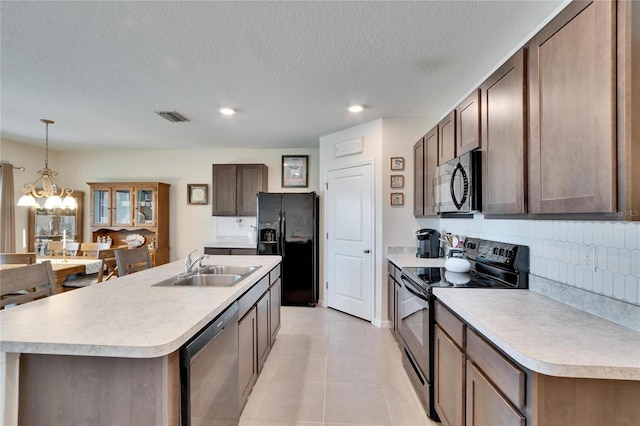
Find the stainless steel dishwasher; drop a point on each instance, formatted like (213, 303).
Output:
(209, 373)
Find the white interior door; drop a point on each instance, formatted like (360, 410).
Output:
(349, 226)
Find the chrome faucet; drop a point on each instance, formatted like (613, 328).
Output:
(188, 263)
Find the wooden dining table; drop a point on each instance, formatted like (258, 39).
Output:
(70, 265)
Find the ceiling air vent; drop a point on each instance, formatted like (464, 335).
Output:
(172, 116)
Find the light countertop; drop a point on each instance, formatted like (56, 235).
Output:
(542, 334)
(547, 336)
(124, 317)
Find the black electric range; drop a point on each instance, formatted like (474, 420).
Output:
(493, 265)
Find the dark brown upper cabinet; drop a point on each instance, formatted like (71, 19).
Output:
(447, 138)
(572, 104)
(468, 136)
(235, 187)
(425, 154)
(504, 134)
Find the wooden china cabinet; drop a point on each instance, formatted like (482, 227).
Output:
(47, 225)
(121, 209)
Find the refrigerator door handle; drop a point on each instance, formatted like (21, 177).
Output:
(283, 228)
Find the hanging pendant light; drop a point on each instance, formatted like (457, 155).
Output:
(47, 186)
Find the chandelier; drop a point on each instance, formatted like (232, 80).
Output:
(47, 186)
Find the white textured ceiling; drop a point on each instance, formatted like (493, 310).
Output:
(101, 68)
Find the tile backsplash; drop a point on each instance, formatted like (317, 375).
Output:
(559, 250)
(230, 228)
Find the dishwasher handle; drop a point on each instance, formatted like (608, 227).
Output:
(210, 332)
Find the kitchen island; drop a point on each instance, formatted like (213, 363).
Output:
(107, 353)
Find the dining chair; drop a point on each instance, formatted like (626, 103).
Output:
(106, 269)
(17, 258)
(93, 249)
(109, 266)
(26, 283)
(56, 247)
(133, 260)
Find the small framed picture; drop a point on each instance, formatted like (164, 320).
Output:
(397, 163)
(295, 171)
(197, 193)
(397, 181)
(397, 199)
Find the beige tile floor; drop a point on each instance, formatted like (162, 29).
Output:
(328, 368)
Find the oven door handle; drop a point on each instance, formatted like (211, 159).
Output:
(410, 286)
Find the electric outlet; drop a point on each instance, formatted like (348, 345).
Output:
(588, 258)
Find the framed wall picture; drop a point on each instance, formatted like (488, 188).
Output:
(397, 199)
(397, 163)
(197, 193)
(295, 171)
(397, 181)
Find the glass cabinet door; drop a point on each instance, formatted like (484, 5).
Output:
(145, 207)
(122, 207)
(101, 207)
(52, 225)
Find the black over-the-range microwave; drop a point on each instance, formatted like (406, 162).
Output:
(457, 188)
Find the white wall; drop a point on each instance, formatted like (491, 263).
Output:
(371, 133)
(32, 159)
(383, 139)
(191, 226)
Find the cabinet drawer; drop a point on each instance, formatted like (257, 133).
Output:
(247, 300)
(485, 405)
(274, 275)
(507, 377)
(451, 324)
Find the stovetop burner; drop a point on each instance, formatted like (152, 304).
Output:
(429, 278)
(493, 265)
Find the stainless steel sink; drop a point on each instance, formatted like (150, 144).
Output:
(210, 276)
(218, 280)
(226, 270)
(200, 280)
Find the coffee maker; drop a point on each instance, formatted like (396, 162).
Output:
(428, 243)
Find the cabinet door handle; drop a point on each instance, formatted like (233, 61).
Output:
(367, 251)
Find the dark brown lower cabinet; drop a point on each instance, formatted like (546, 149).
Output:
(449, 380)
(229, 251)
(264, 331)
(248, 354)
(260, 321)
(476, 384)
(274, 309)
(485, 405)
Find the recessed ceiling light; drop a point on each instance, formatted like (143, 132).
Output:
(227, 111)
(356, 108)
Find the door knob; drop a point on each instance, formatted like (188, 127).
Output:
(367, 251)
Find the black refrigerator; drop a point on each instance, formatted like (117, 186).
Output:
(288, 226)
